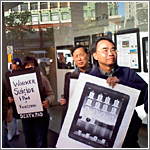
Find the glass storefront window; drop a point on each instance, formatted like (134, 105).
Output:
(67, 22)
(65, 25)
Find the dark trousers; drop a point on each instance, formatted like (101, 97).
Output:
(131, 139)
(35, 131)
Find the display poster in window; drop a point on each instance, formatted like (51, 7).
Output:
(98, 115)
(24, 87)
(128, 50)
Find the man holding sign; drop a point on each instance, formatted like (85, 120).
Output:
(104, 51)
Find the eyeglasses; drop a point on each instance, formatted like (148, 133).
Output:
(106, 51)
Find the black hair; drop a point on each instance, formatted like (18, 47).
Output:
(79, 46)
(94, 45)
(28, 60)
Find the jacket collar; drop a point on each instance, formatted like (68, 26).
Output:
(88, 70)
(116, 69)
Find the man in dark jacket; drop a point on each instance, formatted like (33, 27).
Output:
(81, 58)
(104, 51)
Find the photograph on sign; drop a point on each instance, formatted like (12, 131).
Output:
(98, 115)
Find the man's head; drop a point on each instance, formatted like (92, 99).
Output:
(104, 51)
(80, 57)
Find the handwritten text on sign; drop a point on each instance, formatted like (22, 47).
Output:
(26, 93)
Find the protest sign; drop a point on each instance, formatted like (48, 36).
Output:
(98, 115)
(26, 89)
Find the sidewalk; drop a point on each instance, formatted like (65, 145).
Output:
(19, 141)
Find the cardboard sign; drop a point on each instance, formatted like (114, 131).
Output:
(23, 85)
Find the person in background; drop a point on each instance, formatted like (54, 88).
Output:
(36, 129)
(5, 142)
(81, 58)
(104, 51)
(61, 61)
(12, 115)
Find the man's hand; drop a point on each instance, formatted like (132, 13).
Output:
(112, 81)
(63, 101)
(45, 103)
(10, 99)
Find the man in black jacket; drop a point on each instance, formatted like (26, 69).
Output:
(104, 51)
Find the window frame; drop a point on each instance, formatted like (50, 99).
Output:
(44, 4)
(54, 14)
(46, 15)
(36, 15)
(24, 5)
(34, 5)
(64, 13)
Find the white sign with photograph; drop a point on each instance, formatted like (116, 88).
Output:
(26, 93)
(98, 115)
